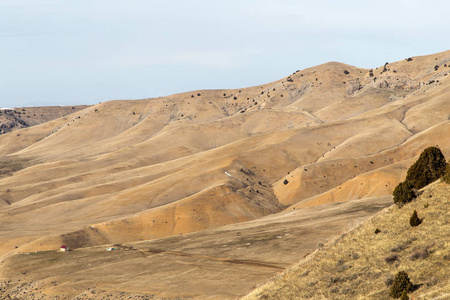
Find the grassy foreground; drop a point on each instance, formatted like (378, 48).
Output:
(362, 264)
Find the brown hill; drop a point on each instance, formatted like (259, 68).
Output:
(127, 171)
(16, 118)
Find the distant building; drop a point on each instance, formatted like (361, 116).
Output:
(64, 248)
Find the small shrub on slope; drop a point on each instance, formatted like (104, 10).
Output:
(401, 283)
(414, 220)
(403, 193)
(404, 296)
(429, 167)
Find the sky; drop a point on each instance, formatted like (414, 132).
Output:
(55, 52)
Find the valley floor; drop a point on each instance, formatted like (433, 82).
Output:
(223, 263)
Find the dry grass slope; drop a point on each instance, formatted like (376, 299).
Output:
(143, 170)
(362, 264)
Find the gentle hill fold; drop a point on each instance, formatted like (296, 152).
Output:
(246, 165)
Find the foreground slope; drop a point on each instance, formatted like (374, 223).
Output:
(362, 263)
(128, 171)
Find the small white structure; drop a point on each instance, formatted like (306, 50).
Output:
(110, 249)
(64, 248)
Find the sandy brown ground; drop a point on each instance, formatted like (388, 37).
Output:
(220, 263)
(129, 171)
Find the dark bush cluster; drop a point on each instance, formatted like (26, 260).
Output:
(403, 193)
(404, 296)
(414, 220)
(401, 284)
(429, 167)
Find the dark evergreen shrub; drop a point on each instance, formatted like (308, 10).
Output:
(346, 72)
(414, 220)
(401, 283)
(285, 182)
(429, 167)
(377, 231)
(404, 296)
(446, 176)
(403, 193)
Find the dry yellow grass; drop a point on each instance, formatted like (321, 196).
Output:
(130, 171)
(362, 264)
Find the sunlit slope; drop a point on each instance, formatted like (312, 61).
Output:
(363, 262)
(130, 170)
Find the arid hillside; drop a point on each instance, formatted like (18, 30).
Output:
(16, 118)
(147, 171)
(364, 262)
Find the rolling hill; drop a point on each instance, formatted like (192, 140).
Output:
(201, 177)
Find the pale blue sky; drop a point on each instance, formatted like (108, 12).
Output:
(86, 51)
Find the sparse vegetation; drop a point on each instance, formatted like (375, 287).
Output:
(414, 220)
(403, 193)
(429, 167)
(348, 156)
(401, 284)
(391, 258)
(381, 257)
(10, 166)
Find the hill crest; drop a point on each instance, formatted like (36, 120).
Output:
(147, 170)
